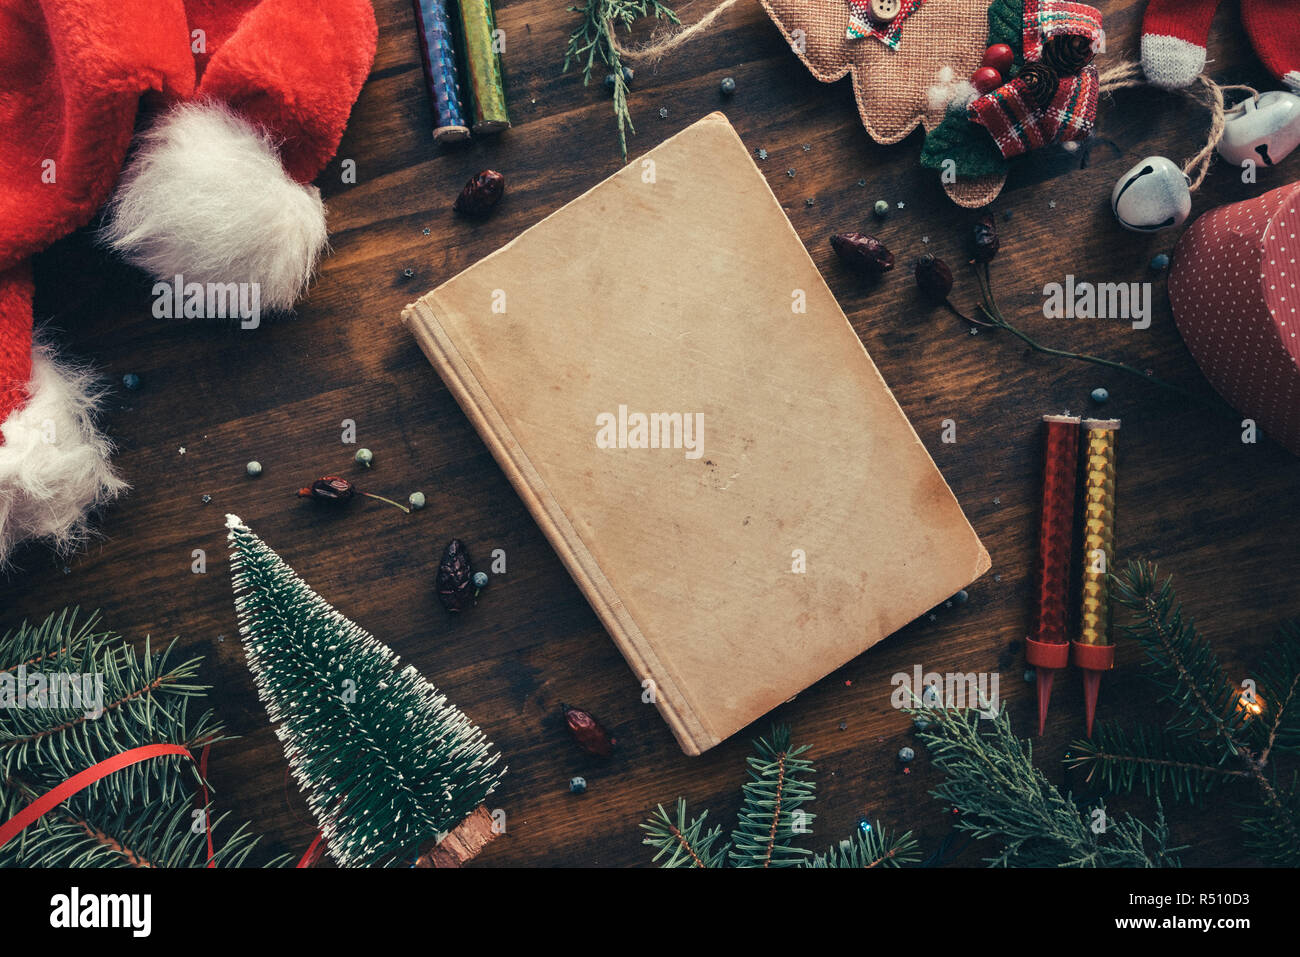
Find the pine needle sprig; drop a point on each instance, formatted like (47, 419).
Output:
(684, 840)
(595, 39)
(780, 781)
(1183, 664)
(770, 819)
(145, 699)
(145, 815)
(1223, 734)
(1154, 759)
(1001, 795)
(873, 847)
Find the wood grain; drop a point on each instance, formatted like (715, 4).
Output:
(1218, 514)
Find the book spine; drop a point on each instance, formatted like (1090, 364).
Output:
(686, 724)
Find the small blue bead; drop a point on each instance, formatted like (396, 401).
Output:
(906, 754)
(728, 86)
(577, 785)
(864, 824)
(480, 580)
(131, 381)
(1100, 395)
(1160, 262)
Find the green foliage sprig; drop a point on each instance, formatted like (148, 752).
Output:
(1219, 734)
(771, 818)
(595, 39)
(1001, 796)
(140, 816)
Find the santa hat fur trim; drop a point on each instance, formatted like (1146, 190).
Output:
(206, 197)
(54, 463)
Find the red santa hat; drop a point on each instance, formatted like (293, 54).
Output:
(254, 94)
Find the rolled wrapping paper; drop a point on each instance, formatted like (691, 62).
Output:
(1234, 287)
(1047, 649)
(1093, 651)
(483, 67)
(438, 52)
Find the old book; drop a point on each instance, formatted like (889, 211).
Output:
(676, 395)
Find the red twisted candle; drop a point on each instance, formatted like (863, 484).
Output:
(1047, 648)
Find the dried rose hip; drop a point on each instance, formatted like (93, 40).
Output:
(933, 278)
(985, 238)
(587, 731)
(481, 193)
(331, 488)
(455, 580)
(865, 254)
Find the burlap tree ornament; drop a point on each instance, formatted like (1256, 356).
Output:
(893, 86)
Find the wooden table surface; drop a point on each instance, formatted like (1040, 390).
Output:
(1218, 514)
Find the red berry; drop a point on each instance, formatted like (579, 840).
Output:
(986, 79)
(999, 56)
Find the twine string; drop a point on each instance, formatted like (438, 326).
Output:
(669, 40)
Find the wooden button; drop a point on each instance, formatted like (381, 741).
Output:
(884, 11)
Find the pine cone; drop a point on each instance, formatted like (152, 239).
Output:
(1069, 53)
(455, 581)
(1040, 82)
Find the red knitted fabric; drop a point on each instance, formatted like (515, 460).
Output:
(1274, 30)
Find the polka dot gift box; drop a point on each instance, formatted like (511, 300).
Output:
(1235, 290)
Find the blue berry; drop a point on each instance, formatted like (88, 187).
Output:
(609, 81)
(881, 208)
(480, 580)
(364, 457)
(728, 86)
(1100, 395)
(131, 381)
(921, 723)
(1030, 674)
(578, 785)
(628, 74)
(416, 500)
(906, 754)
(1160, 262)
(254, 469)
(864, 824)
(961, 597)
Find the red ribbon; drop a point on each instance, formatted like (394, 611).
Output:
(79, 782)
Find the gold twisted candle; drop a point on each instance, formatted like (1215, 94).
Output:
(1098, 528)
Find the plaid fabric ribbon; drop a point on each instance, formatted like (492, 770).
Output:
(1052, 18)
(1018, 125)
(861, 25)
(1013, 117)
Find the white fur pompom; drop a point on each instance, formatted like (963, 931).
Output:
(54, 463)
(205, 197)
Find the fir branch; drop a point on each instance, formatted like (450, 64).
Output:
(1001, 795)
(1155, 759)
(1277, 684)
(686, 842)
(769, 818)
(596, 38)
(875, 847)
(1183, 663)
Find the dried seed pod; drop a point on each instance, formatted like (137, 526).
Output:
(865, 254)
(933, 278)
(455, 580)
(1067, 54)
(985, 237)
(330, 489)
(587, 731)
(481, 193)
(1040, 82)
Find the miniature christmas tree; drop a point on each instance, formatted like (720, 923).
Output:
(78, 698)
(387, 764)
(771, 817)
